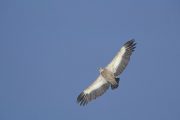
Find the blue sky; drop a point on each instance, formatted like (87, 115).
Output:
(51, 50)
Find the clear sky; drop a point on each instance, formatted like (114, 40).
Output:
(51, 50)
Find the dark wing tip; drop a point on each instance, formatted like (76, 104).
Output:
(130, 45)
(82, 99)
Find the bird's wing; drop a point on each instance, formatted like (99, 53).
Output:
(97, 88)
(120, 61)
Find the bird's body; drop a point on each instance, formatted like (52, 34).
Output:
(108, 75)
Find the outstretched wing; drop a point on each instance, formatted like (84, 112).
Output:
(120, 61)
(97, 88)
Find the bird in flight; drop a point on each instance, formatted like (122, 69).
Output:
(109, 75)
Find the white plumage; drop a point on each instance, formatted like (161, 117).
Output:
(108, 75)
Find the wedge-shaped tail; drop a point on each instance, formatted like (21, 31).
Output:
(115, 86)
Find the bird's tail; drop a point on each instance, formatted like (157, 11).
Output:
(115, 86)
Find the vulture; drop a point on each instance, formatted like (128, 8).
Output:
(108, 76)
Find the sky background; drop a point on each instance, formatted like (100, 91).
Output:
(51, 50)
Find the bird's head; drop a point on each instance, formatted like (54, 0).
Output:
(101, 69)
